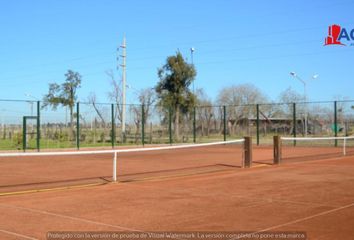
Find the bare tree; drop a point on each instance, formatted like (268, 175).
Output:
(240, 101)
(147, 98)
(92, 99)
(205, 111)
(115, 94)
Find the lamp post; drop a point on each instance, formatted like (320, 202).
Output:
(305, 97)
(192, 51)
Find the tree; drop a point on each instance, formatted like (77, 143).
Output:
(205, 112)
(115, 94)
(147, 98)
(290, 96)
(64, 94)
(173, 88)
(92, 99)
(241, 96)
(241, 103)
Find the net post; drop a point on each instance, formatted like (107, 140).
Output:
(257, 106)
(78, 125)
(247, 152)
(170, 124)
(276, 149)
(24, 136)
(294, 122)
(224, 111)
(113, 134)
(38, 126)
(142, 124)
(115, 167)
(194, 128)
(335, 124)
(344, 146)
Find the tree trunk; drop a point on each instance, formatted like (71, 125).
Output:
(177, 122)
(72, 131)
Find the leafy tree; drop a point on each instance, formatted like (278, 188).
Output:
(176, 75)
(64, 94)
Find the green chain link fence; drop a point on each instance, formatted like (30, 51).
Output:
(26, 125)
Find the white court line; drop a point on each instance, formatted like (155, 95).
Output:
(70, 217)
(309, 217)
(302, 219)
(17, 235)
(73, 218)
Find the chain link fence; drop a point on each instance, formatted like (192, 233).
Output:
(26, 125)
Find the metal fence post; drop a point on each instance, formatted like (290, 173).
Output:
(38, 125)
(24, 131)
(194, 128)
(224, 123)
(142, 124)
(335, 124)
(78, 125)
(170, 123)
(294, 122)
(113, 134)
(257, 106)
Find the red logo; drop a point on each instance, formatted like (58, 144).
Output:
(333, 35)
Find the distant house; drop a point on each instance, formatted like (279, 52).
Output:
(274, 125)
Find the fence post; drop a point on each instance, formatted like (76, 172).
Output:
(38, 125)
(113, 134)
(78, 126)
(194, 128)
(24, 135)
(257, 124)
(294, 122)
(142, 124)
(276, 149)
(335, 124)
(248, 152)
(224, 107)
(170, 124)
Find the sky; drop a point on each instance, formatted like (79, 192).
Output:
(236, 42)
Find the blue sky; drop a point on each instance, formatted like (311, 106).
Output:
(235, 42)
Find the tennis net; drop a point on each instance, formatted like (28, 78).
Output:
(315, 148)
(47, 170)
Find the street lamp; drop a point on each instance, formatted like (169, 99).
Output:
(305, 96)
(192, 51)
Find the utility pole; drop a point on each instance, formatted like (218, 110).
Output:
(123, 65)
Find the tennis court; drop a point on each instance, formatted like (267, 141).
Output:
(29, 172)
(311, 197)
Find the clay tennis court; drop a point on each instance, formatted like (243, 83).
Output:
(316, 197)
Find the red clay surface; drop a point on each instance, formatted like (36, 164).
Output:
(29, 173)
(312, 196)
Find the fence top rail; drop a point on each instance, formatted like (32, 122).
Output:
(18, 100)
(217, 105)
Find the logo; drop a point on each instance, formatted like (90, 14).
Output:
(337, 35)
